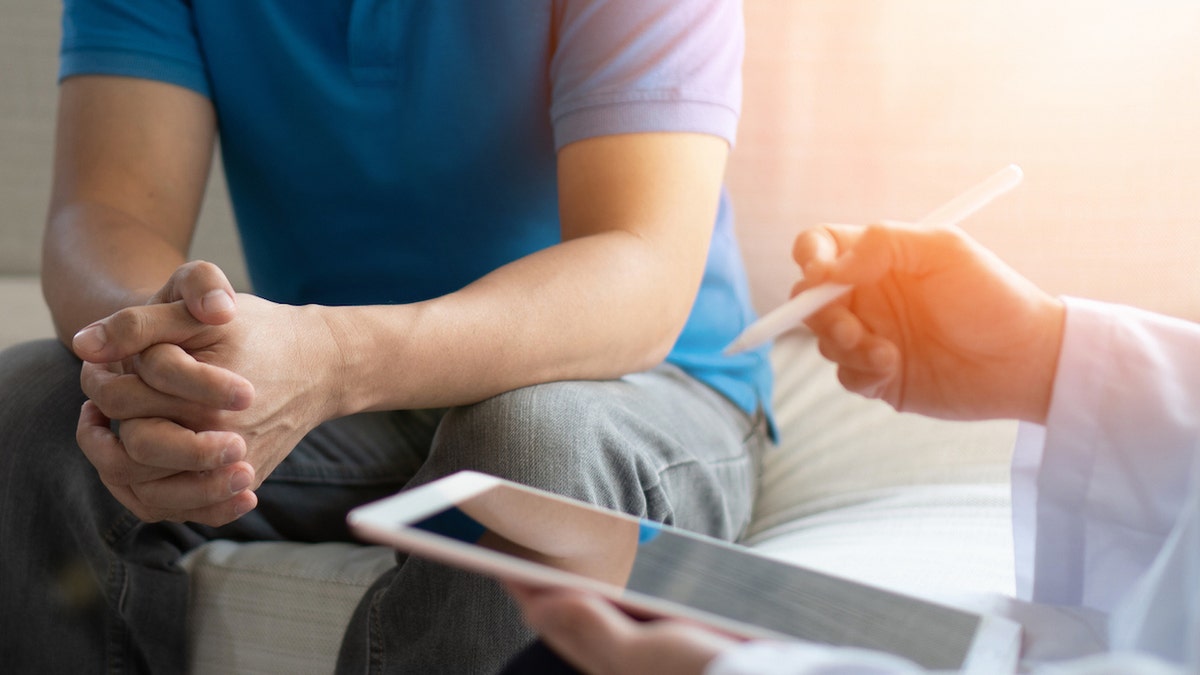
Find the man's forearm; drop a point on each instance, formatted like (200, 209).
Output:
(96, 261)
(597, 307)
(131, 160)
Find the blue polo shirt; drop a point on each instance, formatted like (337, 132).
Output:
(391, 151)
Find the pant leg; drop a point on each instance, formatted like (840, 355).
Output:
(658, 445)
(538, 659)
(62, 531)
(84, 585)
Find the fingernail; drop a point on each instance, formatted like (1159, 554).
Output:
(239, 481)
(91, 339)
(231, 454)
(240, 397)
(216, 302)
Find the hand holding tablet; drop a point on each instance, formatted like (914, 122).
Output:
(519, 534)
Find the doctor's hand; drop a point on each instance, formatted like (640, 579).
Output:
(935, 324)
(598, 638)
(206, 411)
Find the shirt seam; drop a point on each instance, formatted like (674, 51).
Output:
(77, 51)
(599, 100)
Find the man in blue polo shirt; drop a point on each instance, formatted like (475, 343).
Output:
(485, 236)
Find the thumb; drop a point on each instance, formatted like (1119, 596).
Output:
(132, 330)
(204, 289)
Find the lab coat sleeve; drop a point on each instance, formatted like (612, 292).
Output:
(1106, 505)
(801, 658)
(1096, 493)
(769, 658)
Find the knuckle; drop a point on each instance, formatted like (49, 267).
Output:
(877, 234)
(129, 325)
(151, 358)
(198, 267)
(138, 450)
(201, 275)
(154, 365)
(144, 509)
(187, 269)
(206, 269)
(90, 376)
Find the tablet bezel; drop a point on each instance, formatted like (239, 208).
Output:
(995, 643)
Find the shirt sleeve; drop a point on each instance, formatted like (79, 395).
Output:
(627, 66)
(1098, 491)
(151, 40)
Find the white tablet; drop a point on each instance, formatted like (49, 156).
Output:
(509, 531)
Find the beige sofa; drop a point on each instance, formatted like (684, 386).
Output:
(854, 111)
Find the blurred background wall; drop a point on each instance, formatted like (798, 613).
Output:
(29, 37)
(858, 110)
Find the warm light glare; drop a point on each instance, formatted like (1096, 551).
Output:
(857, 111)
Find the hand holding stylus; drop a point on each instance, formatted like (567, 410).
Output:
(793, 312)
(936, 323)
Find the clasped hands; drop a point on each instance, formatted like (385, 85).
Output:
(210, 391)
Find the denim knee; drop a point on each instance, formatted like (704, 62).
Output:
(39, 405)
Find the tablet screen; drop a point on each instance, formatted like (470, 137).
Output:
(646, 560)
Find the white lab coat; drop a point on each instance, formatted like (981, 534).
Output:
(1106, 513)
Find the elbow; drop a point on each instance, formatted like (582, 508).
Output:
(651, 358)
(658, 346)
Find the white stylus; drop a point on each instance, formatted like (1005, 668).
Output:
(789, 315)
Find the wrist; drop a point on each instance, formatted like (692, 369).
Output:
(1052, 319)
(366, 344)
(342, 359)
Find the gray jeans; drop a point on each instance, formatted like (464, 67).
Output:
(84, 584)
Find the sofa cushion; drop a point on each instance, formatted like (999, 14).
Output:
(275, 607)
(25, 314)
(837, 448)
(934, 541)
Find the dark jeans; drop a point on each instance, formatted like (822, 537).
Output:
(85, 586)
(538, 659)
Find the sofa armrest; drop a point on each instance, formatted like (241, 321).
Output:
(25, 314)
